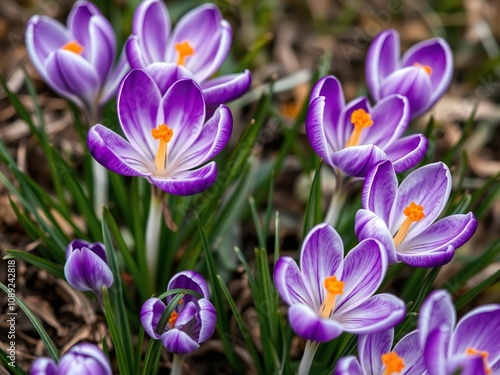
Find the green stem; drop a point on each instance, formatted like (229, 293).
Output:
(307, 358)
(178, 360)
(153, 230)
(333, 214)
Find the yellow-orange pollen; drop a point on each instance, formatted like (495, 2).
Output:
(427, 68)
(333, 288)
(73, 46)
(414, 213)
(173, 318)
(163, 134)
(394, 364)
(184, 49)
(360, 119)
(484, 356)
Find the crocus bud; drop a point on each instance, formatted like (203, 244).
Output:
(86, 266)
(192, 321)
(422, 75)
(83, 358)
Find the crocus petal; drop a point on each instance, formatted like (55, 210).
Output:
(291, 285)
(308, 324)
(381, 60)
(380, 189)
(75, 245)
(151, 312)
(208, 34)
(166, 74)
(348, 366)
(189, 280)
(151, 24)
(331, 90)
(372, 347)
(369, 225)
(364, 270)
(315, 129)
(114, 79)
(85, 270)
(95, 360)
(433, 258)
(391, 117)
(96, 247)
(73, 76)
(436, 311)
(103, 48)
(434, 348)
(188, 182)
(452, 231)
(184, 112)
(178, 342)
(357, 161)
(321, 257)
(412, 82)
(116, 154)
(436, 53)
(466, 365)
(208, 317)
(429, 187)
(379, 312)
(186, 314)
(226, 88)
(407, 152)
(43, 366)
(479, 330)
(44, 35)
(409, 349)
(134, 54)
(213, 138)
(138, 102)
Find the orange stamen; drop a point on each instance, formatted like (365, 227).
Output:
(414, 213)
(73, 46)
(173, 318)
(394, 364)
(333, 288)
(163, 134)
(360, 119)
(484, 356)
(184, 49)
(427, 68)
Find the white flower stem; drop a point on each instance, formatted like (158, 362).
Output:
(153, 229)
(333, 213)
(100, 182)
(178, 360)
(307, 358)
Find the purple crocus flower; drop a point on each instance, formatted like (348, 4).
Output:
(330, 294)
(422, 75)
(77, 61)
(83, 358)
(86, 267)
(354, 137)
(196, 48)
(471, 347)
(191, 323)
(403, 218)
(167, 136)
(376, 357)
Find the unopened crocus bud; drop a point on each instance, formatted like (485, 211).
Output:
(86, 266)
(83, 358)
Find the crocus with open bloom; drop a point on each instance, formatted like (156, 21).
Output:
(86, 267)
(195, 48)
(403, 218)
(353, 137)
(191, 323)
(83, 358)
(469, 347)
(168, 141)
(377, 358)
(330, 294)
(77, 61)
(422, 75)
